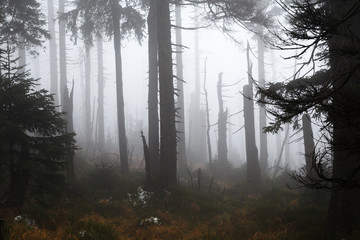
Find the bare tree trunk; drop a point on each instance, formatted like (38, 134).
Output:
(208, 126)
(153, 116)
(68, 109)
(62, 52)
(100, 110)
(253, 166)
(222, 118)
(53, 53)
(87, 103)
(308, 144)
(167, 106)
(119, 90)
(262, 117)
(180, 93)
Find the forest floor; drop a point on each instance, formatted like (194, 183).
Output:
(107, 206)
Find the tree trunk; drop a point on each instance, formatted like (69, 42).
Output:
(222, 118)
(62, 51)
(253, 166)
(180, 93)
(68, 109)
(344, 208)
(87, 103)
(100, 110)
(119, 90)
(167, 107)
(153, 116)
(53, 53)
(262, 116)
(308, 144)
(208, 126)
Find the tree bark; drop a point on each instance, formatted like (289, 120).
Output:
(180, 93)
(167, 106)
(119, 90)
(153, 115)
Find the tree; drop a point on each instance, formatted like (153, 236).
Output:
(330, 31)
(180, 93)
(103, 17)
(22, 23)
(252, 158)
(53, 52)
(168, 153)
(100, 111)
(222, 121)
(33, 139)
(62, 52)
(153, 112)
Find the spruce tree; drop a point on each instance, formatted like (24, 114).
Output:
(33, 141)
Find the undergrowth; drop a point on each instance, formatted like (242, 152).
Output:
(107, 206)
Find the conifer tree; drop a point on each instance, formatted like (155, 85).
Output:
(33, 139)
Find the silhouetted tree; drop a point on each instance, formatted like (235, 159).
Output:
(253, 166)
(168, 154)
(153, 112)
(33, 139)
(182, 158)
(103, 17)
(332, 33)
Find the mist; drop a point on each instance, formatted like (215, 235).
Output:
(179, 120)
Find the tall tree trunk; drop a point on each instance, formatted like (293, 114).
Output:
(62, 51)
(253, 166)
(100, 110)
(53, 53)
(180, 93)
(68, 109)
(153, 115)
(167, 105)
(198, 146)
(262, 117)
(344, 208)
(222, 118)
(308, 144)
(119, 90)
(208, 126)
(87, 103)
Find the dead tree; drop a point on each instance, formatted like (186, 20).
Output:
(308, 144)
(253, 166)
(222, 118)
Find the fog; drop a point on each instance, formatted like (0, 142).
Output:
(223, 54)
